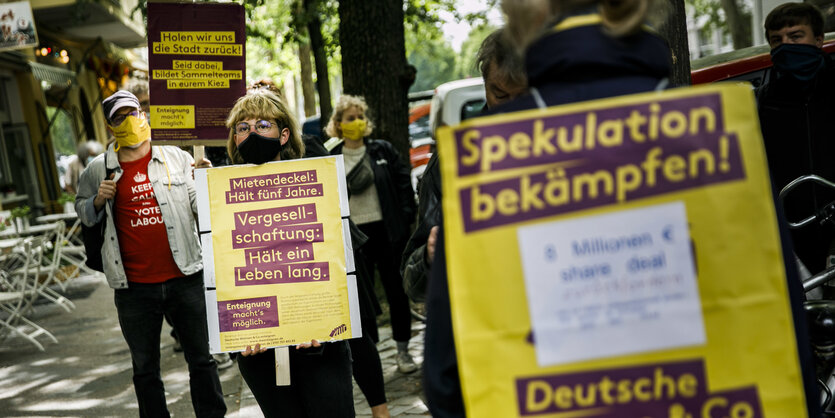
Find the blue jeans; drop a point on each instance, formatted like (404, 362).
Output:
(141, 308)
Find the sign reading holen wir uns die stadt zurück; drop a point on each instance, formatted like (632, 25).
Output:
(196, 58)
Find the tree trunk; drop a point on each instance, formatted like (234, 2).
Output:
(307, 79)
(374, 65)
(675, 32)
(323, 85)
(739, 25)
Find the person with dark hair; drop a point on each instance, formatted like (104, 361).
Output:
(504, 80)
(796, 104)
(502, 69)
(794, 23)
(148, 200)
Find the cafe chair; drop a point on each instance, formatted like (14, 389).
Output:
(16, 297)
(44, 260)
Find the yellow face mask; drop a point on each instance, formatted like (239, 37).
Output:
(354, 130)
(132, 132)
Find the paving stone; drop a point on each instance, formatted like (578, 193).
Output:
(88, 373)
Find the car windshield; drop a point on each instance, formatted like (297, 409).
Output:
(472, 109)
(419, 128)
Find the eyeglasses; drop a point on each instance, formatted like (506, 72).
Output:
(117, 120)
(261, 126)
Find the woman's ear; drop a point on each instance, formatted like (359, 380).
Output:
(285, 135)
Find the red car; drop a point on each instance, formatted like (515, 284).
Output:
(420, 139)
(747, 64)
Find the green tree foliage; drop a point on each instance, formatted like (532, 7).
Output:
(709, 12)
(62, 131)
(273, 32)
(268, 55)
(731, 17)
(326, 11)
(466, 63)
(431, 54)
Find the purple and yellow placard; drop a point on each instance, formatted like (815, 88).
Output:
(619, 258)
(276, 254)
(196, 60)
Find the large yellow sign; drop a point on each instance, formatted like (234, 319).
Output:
(275, 247)
(619, 258)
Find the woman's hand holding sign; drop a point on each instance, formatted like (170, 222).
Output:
(313, 343)
(250, 351)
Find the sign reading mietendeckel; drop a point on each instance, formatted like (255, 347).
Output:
(277, 257)
(196, 57)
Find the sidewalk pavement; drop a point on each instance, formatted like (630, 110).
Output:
(88, 373)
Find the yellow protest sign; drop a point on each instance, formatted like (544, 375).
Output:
(277, 251)
(619, 258)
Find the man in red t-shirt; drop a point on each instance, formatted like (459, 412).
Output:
(151, 253)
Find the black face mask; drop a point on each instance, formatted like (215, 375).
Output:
(257, 149)
(801, 61)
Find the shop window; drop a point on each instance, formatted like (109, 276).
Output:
(17, 181)
(5, 114)
(64, 139)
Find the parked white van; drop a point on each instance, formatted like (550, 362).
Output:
(456, 101)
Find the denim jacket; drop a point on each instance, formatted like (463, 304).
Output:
(170, 174)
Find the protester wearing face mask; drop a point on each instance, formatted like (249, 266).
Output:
(796, 104)
(366, 366)
(382, 205)
(504, 80)
(261, 129)
(145, 196)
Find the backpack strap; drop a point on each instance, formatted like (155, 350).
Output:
(107, 172)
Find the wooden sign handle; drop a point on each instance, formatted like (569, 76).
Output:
(282, 366)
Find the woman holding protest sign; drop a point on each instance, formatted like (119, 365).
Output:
(382, 205)
(262, 130)
(367, 368)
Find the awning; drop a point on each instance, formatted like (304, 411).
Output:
(112, 20)
(52, 75)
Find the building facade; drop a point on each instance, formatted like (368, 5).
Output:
(50, 94)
